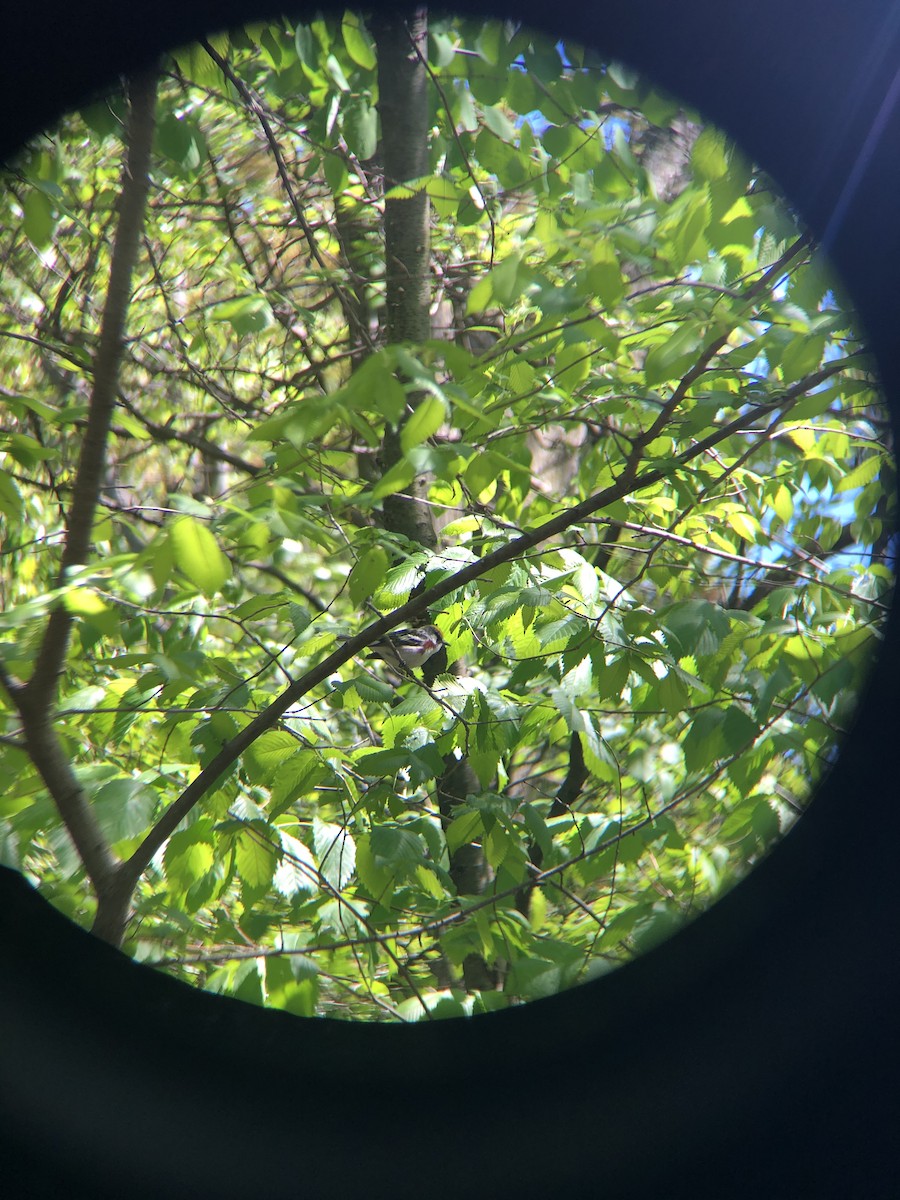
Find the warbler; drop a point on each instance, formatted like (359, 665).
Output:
(408, 648)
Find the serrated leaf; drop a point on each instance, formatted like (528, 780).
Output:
(537, 909)
(188, 855)
(738, 729)
(297, 872)
(697, 626)
(430, 883)
(336, 852)
(709, 156)
(255, 856)
(400, 849)
(296, 778)
(672, 693)
(401, 579)
(299, 617)
(267, 753)
(860, 475)
(598, 758)
(703, 742)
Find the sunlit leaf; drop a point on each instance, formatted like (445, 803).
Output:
(197, 554)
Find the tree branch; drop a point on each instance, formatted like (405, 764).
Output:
(34, 700)
(256, 107)
(628, 482)
(41, 688)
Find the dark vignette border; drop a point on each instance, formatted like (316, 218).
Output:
(753, 1055)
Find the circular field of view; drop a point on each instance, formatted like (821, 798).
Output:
(332, 332)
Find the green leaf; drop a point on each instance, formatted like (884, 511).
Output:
(396, 479)
(296, 778)
(605, 274)
(672, 358)
(336, 852)
(745, 526)
(783, 503)
(296, 874)
(506, 282)
(358, 41)
(267, 753)
(189, 855)
(489, 42)
(862, 474)
(467, 827)
(84, 602)
(399, 849)
(245, 314)
(261, 394)
(307, 50)
(499, 123)
(764, 821)
(368, 574)
(124, 808)
(182, 142)
(197, 555)
(441, 50)
(429, 415)
(695, 627)
(801, 357)
(738, 729)
(38, 221)
(361, 128)
(703, 743)
(256, 855)
(709, 156)
(334, 69)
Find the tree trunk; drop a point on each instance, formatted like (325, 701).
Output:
(403, 106)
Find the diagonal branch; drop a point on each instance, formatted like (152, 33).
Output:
(768, 279)
(629, 481)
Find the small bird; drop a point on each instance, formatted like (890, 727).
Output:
(406, 649)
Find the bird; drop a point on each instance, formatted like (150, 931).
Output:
(406, 649)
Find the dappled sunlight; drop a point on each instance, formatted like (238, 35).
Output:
(562, 394)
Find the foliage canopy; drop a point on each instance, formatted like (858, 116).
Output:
(656, 472)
